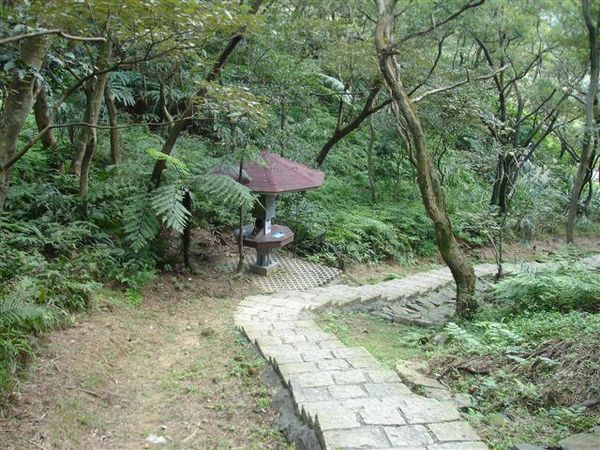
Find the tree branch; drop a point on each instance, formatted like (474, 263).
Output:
(59, 32)
(435, 63)
(434, 25)
(460, 83)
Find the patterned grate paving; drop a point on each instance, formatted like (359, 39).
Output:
(294, 273)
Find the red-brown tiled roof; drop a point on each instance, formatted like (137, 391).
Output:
(278, 174)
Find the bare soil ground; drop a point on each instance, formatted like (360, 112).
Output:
(173, 366)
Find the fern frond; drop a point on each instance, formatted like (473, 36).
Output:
(225, 190)
(15, 313)
(140, 227)
(155, 154)
(167, 203)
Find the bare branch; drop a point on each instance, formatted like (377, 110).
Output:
(434, 25)
(60, 33)
(460, 83)
(435, 63)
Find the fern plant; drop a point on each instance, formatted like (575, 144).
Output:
(18, 314)
(148, 212)
(559, 289)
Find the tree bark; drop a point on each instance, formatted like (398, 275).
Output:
(429, 185)
(88, 139)
(589, 129)
(41, 110)
(43, 120)
(17, 105)
(507, 173)
(109, 100)
(187, 231)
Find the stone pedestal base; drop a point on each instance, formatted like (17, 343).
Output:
(264, 270)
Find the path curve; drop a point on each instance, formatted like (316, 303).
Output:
(349, 398)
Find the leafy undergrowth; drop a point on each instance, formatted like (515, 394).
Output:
(530, 359)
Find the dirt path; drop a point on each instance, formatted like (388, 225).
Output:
(174, 367)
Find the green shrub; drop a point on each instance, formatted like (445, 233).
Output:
(562, 289)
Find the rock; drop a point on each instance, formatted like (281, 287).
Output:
(527, 447)
(411, 376)
(154, 439)
(440, 339)
(463, 401)
(582, 441)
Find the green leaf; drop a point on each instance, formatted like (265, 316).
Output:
(167, 203)
(140, 227)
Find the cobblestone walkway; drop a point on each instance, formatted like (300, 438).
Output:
(351, 400)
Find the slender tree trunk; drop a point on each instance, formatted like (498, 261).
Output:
(94, 104)
(282, 119)
(429, 185)
(41, 110)
(109, 100)
(187, 231)
(240, 265)
(17, 105)
(80, 138)
(589, 129)
(507, 173)
(164, 109)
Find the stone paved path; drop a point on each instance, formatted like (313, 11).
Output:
(352, 400)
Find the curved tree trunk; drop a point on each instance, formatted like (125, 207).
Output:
(588, 130)
(186, 116)
(429, 185)
(17, 105)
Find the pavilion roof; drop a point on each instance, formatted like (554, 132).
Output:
(276, 174)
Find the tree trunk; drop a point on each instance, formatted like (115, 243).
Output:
(589, 129)
(164, 109)
(17, 105)
(186, 119)
(41, 110)
(187, 231)
(429, 185)
(109, 100)
(507, 172)
(88, 138)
